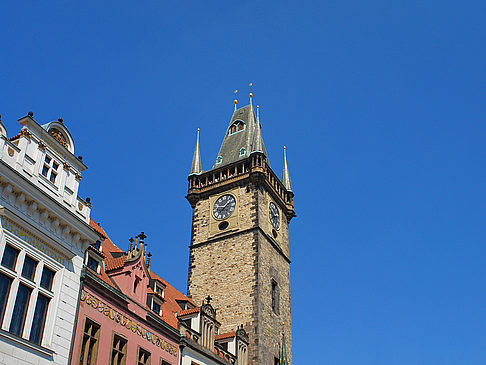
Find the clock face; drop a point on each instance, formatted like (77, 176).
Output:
(274, 215)
(224, 206)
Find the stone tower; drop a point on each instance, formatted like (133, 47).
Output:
(239, 252)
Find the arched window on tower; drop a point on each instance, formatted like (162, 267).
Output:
(236, 127)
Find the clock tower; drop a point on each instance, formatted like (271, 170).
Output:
(239, 251)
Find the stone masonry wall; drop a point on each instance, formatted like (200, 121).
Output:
(236, 269)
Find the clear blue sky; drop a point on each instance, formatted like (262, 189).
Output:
(381, 105)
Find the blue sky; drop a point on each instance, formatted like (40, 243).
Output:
(381, 106)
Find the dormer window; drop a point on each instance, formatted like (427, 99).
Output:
(97, 245)
(49, 170)
(219, 159)
(236, 127)
(242, 151)
(159, 289)
(156, 307)
(92, 263)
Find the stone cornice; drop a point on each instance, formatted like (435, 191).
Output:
(236, 233)
(15, 186)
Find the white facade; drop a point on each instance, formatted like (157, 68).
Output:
(44, 234)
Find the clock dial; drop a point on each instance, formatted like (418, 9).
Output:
(274, 215)
(224, 206)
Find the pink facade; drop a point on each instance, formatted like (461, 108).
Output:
(114, 319)
(126, 313)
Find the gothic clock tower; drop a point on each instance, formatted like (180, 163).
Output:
(239, 252)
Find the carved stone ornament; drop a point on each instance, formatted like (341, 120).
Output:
(241, 333)
(208, 310)
(66, 166)
(10, 151)
(58, 136)
(25, 133)
(80, 206)
(42, 145)
(78, 177)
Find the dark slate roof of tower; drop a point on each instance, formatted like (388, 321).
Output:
(233, 143)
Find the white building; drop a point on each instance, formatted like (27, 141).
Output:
(202, 344)
(44, 234)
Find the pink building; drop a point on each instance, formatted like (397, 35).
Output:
(127, 314)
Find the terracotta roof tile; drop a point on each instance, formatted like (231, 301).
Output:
(224, 336)
(116, 257)
(14, 137)
(188, 311)
(114, 263)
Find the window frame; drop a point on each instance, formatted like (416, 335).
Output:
(113, 336)
(157, 286)
(36, 290)
(159, 302)
(236, 124)
(49, 166)
(139, 349)
(81, 360)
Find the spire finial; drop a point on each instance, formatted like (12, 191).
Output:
(285, 173)
(258, 112)
(283, 356)
(251, 94)
(196, 159)
(236, 100)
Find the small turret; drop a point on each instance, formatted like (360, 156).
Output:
(257, 144)
(285, 173)
(196, 159)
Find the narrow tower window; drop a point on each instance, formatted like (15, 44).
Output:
(275, 297)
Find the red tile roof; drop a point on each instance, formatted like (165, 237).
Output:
(187, 311)
(224, 336)
(114, 263)
(115, 259)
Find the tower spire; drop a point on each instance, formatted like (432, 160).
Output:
(257, 145)
(285, 173)
(196, 159)
(283, 357)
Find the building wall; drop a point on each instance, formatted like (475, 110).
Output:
(62, 307)
(236, 269)
(113, 318)
(47, 222)
(192, 357)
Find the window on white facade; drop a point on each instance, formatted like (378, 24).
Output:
(49, 169)
(25, 293)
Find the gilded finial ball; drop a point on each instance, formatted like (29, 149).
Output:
(198, 129)
(236, 101)
(285, 148)
(251, 95)
(258, 106)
